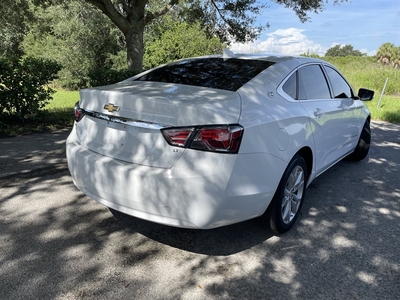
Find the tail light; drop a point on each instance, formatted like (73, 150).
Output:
(79, 112)
(177, 137)
(225, 138)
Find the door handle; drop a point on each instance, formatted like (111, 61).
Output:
(318, 113)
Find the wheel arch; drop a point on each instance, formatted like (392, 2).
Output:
(307, 154)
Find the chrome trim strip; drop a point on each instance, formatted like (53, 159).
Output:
(122, 120)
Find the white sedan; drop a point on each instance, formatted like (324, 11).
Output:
(210, 141)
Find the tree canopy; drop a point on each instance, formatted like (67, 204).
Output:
(344, 50)
(232, 18)
(15, 17)
(226, 19)
(93, 33)
(389, 54)
(179, 40)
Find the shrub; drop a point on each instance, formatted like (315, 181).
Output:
(98, 77)
(24, 86)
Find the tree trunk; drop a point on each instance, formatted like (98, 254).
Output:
(135, 48)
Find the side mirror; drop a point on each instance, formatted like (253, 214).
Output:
(365, 94)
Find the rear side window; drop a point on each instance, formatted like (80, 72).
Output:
(312, 83)
(290, 86)
(218, 73)
(340, 87)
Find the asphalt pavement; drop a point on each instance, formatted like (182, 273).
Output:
(56, 243)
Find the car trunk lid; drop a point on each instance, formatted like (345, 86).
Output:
(123, 121)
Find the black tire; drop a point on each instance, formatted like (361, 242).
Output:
(363, 145)
(285, 207)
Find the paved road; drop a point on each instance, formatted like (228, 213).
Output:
(58, 244)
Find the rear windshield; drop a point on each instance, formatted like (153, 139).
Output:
(218, 73)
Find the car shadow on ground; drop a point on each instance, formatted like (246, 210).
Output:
(223, 241)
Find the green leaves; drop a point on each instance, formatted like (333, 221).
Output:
(15, 17)
(23, 86)
(345, 50)
(78, 36)
(389, 54)
(236, 19)
(180, 40)
(302, 7)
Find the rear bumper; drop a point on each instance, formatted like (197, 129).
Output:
(203, 189)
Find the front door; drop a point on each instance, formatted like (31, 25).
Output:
(325, 115)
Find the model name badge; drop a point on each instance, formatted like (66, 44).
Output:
(111, 107)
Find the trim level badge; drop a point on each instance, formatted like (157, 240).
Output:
(111, 107)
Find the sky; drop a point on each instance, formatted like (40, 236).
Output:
(364, 24)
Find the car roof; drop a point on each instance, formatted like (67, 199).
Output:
(272, 57)
(276, 58)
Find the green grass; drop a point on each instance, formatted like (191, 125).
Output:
(388, 110)
(364, 72)
(367, 73)
(63, 100)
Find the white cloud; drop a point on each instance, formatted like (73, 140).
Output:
(289, 41)
(369, 53)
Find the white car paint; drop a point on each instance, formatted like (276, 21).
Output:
(129, 166)
(202, 190)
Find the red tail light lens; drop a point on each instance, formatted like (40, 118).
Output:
(177, 137)
(210, 138)
(79, 112)
(220, 139)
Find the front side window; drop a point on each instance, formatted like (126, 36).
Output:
(312, 83)
(340, 87)
(213, 72)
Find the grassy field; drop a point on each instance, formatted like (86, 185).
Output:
(360, 72)
(60, 111)
(63, 100)
(365, 72)
(389, 109)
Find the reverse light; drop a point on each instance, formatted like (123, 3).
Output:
(223, 138)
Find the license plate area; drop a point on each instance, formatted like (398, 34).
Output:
(114, 136)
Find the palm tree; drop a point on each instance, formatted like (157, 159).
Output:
(389, 54)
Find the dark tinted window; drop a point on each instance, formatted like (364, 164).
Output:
(229, 74)
(312, 83)
(340, 87)
(290, 86)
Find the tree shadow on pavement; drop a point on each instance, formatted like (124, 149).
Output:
(59, 244)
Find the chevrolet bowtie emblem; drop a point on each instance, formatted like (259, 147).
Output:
(111, 107)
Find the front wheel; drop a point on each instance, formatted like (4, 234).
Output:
(285, 207)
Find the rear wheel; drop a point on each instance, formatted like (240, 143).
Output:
(285, 207)
(362, 148)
